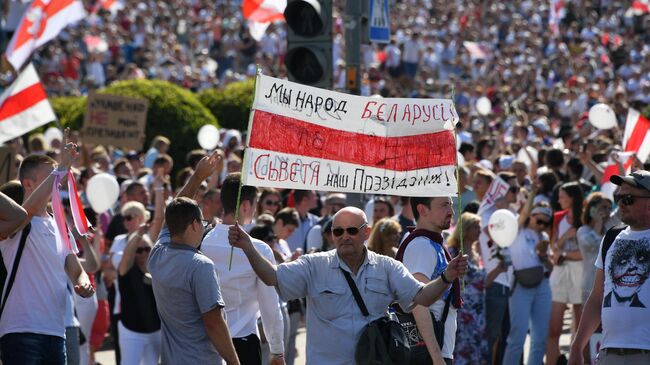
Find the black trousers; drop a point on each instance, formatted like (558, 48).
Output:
(249, 350)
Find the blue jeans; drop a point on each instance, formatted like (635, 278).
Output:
(529, 307)
(496, 319)
(32, 349)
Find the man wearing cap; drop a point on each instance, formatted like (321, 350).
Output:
(620, 297)
(334, 320)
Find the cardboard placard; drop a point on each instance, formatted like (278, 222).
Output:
(8, 170)
(115, 120)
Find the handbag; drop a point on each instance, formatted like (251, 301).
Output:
(382, 341)
(419, 351)
(530, 277)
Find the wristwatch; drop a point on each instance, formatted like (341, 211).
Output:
(444, 278)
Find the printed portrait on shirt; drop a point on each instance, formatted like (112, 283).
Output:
(628, 270)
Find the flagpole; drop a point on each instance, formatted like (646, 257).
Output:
(459, 226)
(243, 163)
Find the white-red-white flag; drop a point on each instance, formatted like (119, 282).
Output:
(556, 14)
(24, 106)
(640, 7)
(636, 140)
(261, 13)
(42, 22)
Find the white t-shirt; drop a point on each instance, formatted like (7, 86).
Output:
(421, 257)
(37, 301)
(626, 295)
(522, 250)
(117, 251)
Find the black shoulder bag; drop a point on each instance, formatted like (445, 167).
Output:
(383, 341)
(14, 269)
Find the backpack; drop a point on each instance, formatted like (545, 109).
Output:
(609, 239)
(8, 283)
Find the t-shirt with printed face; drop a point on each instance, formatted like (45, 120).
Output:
(626, 294)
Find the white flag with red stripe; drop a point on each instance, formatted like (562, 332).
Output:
(24, 106)
(261, 13)
(636, 140)
(640, 7)
(556, 14)
(42, 22)
(302, 137)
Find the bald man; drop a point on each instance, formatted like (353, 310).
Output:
(334, 320)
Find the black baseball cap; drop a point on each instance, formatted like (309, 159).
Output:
(638, 179)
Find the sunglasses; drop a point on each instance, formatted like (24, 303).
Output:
(128, 218)
(514, 189)
(543, 223)
(272, 202)
(352, 231)
(143, 249)
(627, 199)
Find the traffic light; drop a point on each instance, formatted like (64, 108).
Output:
(309, 42)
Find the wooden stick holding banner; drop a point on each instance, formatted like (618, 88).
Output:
(243, 162)
(460, 200)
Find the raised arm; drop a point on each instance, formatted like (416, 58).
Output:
(262, 267)
(128, 257)
(12, 216)
(525, 211)
(159, 209)
(204, 168)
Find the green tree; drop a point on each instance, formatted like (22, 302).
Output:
(230, 105)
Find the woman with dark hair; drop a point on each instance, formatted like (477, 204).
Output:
(566, 277)
(546, 183)
(270, 201)
(382, 208)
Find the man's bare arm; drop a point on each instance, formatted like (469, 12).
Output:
(217, 330)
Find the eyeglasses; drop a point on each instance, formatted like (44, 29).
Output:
(543, 223)
(352, 231)
(627, 199)
(272, 202)
(128, 218)
(143, 249)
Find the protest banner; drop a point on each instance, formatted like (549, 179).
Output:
(302, 137)
(115, 120)
(498, 189)
(7, 164)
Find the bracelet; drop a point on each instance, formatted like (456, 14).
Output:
(444, 278)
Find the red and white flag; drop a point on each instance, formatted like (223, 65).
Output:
(636, 141)
(110, 5)
(24, 106)
(640, 7)
(42, 22)
(261, 13)
(302, 137)
(557, 13)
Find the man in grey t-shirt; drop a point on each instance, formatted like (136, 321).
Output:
(187, 292)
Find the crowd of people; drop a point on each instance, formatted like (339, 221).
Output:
(541, 75)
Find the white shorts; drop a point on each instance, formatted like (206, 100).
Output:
(566, 283)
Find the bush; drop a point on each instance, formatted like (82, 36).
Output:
(230, 105)
(173, 112)
(69, 110)
(646, 112)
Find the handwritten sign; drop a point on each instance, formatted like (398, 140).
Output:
(498, 189)
(7, 164)
(115, 120)
(308, 138)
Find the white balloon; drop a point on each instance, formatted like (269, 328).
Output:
(503, 227)
(602, 116)
(102, 192)
(483, 105)
(208, 137)
(51, 134)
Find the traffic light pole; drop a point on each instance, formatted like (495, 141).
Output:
(353, 11)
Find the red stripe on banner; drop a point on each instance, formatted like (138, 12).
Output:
(638, 134)
(21, 101)
(288, 135)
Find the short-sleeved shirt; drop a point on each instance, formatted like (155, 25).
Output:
(186, 287)
(334, 320)
(625, 312)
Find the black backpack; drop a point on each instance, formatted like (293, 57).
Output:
(3, 268)
(609, 238)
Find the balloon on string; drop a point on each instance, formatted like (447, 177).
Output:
(503, 227)
(208, 137)
(602, 116)
(483, 105)
(52, 134)
(102, 192)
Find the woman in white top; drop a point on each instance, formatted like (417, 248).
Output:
(530, 300)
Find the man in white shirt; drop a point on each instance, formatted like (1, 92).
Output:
(32, 323)
(620, 296)
(243, 292)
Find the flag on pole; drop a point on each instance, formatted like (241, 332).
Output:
(557, 13)
(303, 137)
(42, 22)
(261, 13)
(24, 106)
(636, 140)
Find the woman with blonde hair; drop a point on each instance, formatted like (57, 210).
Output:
(471, 334)
(385, 236)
